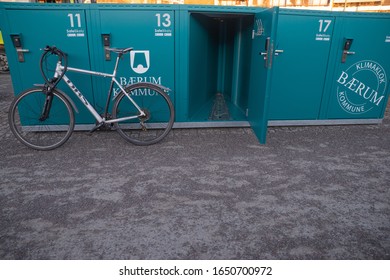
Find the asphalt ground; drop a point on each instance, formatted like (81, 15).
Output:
(317, 192)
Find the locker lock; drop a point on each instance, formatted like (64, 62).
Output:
(265, 52)
(16, 40)
(346, 52)
(106, 44)
(268, 53)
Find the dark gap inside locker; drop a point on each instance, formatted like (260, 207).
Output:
(219, 66)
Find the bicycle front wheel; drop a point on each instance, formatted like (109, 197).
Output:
(158, 109)
(30, 128)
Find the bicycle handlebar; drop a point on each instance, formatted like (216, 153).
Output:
(55, 50)
(61, 56)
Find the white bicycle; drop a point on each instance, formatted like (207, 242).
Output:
(42, 117)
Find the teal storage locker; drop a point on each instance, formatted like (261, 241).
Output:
(218, 66)
(358, 86)
(149, 29)
(319, 81)
(300, 67)
(224, 76)
(35, 26)
(79, 30)
(226, 66)
(216, 60)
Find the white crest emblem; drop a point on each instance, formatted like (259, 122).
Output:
(140, 61)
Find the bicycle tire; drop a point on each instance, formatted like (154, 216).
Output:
(159, 119)
(24, 119)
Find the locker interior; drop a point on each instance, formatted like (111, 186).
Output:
(219, 66)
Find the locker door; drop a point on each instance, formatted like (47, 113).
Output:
(263, 50)
(64, 28)
(151, 33)
(362, 69)
(300, 67)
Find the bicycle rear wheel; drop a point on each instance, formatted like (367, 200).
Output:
(26, 122)
(158, 108)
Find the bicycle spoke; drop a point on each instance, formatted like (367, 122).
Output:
(25, 123)
(158, 119)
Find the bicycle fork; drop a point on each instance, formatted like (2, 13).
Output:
(48, 102)
(46, 107)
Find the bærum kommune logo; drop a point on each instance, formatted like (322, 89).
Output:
(361, 87)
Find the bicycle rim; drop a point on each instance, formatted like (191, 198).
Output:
(159, 114)
(25, 123)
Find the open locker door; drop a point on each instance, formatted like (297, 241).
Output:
(263, 51)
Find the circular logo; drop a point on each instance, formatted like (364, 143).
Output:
(361, 87)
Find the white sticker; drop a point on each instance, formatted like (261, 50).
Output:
(322, 37)
(75, 29)
(323, 27)
(162, 32)
(163, 23)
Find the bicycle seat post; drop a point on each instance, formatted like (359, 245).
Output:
(120, 53)
(117, 63)
(106, 115)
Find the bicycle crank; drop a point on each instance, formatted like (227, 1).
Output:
(103, 126)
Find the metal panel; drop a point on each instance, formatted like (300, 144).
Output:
(264, 38)
(150, 31)
(360, 83)
(303, 46)
(35, 26)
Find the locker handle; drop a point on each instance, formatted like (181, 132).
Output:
(265, 53)
(346, 48)
(17, 41)
(20, 52)
(345, 54)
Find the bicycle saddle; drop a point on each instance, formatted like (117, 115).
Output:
(119, 51)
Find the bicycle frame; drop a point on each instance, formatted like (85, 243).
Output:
(84, 100)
